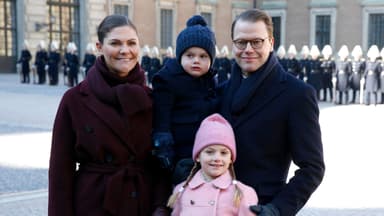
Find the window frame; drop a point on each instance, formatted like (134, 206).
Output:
(74, 29)
(282, 13)
(367, 11)
(332, 31)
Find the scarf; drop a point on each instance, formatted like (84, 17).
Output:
(128, 94)
(242, 90)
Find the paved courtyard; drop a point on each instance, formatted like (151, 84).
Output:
(352, 137)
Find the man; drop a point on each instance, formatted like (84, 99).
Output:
(275, 119)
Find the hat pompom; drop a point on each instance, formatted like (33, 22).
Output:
(196, 34)
(196, 20)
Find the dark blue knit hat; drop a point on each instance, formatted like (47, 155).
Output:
(196, 34)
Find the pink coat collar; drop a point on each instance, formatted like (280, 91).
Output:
(222, 182)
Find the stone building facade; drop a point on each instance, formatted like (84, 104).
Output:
(298, 22)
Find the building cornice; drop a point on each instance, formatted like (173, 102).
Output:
(269, 5)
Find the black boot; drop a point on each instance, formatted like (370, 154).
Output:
(353, 97)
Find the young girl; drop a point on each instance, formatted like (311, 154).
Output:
(212, 188)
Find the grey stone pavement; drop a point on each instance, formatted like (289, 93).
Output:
(352, 136)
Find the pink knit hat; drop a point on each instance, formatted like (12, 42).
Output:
(214, 130)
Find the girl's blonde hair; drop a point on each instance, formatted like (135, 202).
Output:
(237, 196)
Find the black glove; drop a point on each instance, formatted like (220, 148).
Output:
(182, 170)
(163, 149)
(265, 210)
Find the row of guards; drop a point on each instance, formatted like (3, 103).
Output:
(338, 76)
(333, 77)
(48, 64)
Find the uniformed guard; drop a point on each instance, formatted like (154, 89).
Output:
(89, 58)
(169, 54)
(328, 69)
(281, 56)
(382, 76)
(25, 58)
(54, 59)
(146, 61)
(216, 64)
(304, 63)
(155, 63)
(73, 65)
(293, 66)
(224, 63)
(315, 73)
(358, 66)
(343, 71)
(41, 60)
(371, 76)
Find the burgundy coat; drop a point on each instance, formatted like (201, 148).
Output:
(101, 162)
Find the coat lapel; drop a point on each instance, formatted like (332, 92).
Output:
(272, 87)
(105, 113)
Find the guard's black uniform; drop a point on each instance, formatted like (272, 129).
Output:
(293, 67)
(315, 77)
(25, 58)
(41, 60)
(53, 67)
(89, 60)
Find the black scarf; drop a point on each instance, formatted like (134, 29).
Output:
(242, 90)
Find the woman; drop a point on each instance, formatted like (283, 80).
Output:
(103, 127)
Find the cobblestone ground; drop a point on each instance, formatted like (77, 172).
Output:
(352, 138)
(24, 204)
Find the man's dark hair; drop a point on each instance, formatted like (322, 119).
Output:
(254, 15)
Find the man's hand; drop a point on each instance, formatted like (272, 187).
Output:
(265, 210)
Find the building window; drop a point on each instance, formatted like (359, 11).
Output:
(208, 18)
(166, 28)
(323, 27)
(323, 30)
(276, 20)
(64, 23)
(279, 21)
(121, 9)
(7, 28)
(376, 29)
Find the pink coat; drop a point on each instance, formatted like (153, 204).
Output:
(213, 198)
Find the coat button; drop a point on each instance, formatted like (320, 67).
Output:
(212, 202)
(88, 129)
(131, 158)
(108, 158)
(192, 202)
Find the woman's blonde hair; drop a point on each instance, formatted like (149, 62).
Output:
(238, 195)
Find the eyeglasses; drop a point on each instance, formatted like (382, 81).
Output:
(255, 43)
